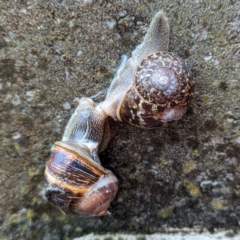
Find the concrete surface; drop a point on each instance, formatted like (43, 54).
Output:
(183, 176)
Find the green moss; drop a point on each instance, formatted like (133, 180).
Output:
(165, 212)
(142, 9)
(217, 204)
(34, 201)
(195, 153)
(13, 219)
(8, 98)
(31, 172)
(29, 214)
(61, 218)
(40, 38)
(163, 161)
(191, 187)
(17, 147)
(206, 99)
(215, 83)
(23, 189)
(189, 166)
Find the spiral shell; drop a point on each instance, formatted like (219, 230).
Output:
(161, 92)
(77, 184)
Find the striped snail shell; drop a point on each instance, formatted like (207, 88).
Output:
(154, 86)
(74, 178)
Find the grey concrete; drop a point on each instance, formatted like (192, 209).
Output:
(181, 235)
(186, 175)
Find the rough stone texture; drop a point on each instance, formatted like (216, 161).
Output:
(184, 235)
(186, 175)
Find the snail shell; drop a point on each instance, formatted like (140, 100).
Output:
(74, 178)
(154, 86)
(161, 91)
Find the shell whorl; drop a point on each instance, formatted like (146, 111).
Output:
(158, 77)
(161, 92)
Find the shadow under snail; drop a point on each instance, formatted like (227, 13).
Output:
(150, 89)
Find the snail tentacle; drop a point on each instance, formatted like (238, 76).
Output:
(156, 39)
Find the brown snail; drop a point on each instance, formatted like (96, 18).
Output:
(75, 180)
(153, 87)
(150, 89)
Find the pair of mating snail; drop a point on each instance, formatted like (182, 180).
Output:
(150, 89)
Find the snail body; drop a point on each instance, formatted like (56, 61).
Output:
(150, 89)
(74, 178)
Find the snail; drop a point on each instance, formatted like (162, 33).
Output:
(153, 87)
(74, 178)
(150, 89)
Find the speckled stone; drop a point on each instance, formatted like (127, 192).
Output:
(186, 175)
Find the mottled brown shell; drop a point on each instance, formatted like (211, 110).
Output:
(152, 101)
